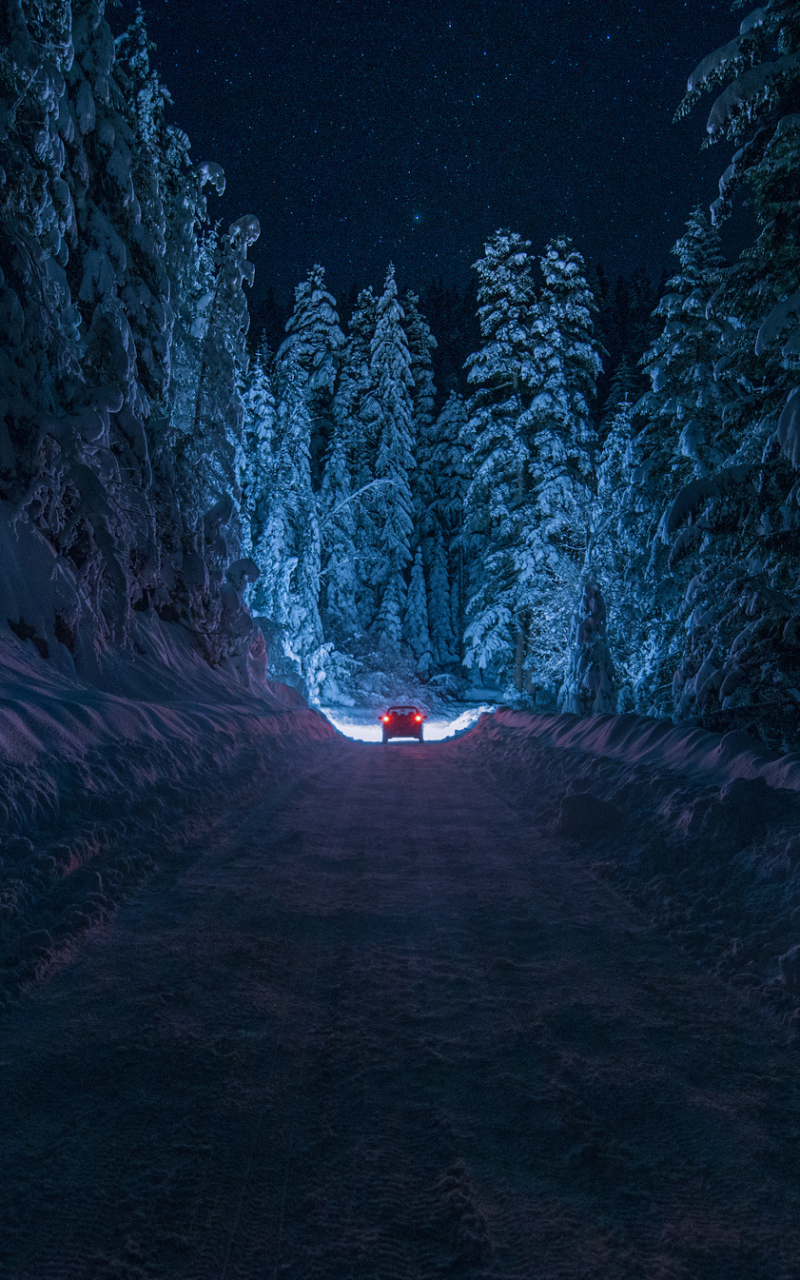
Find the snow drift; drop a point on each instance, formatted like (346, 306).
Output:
(102, 782)
(702, 831)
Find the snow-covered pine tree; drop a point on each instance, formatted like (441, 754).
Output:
(352, 429)
(84, 273)
(550, 554)
(618, 552)
(208, 415)
(570, 305)
(679, 435)
(443, 633)
(742, 665)
(415, 622)
(589, 686)
(288, 552)
(389, 622)
(255, 457)
(339, 515)
(621, 389)
(85, 208)
(314, 340)
(219, 411)
(40, 346)
(195, 432)
(353, 385)
(446, 580)
(499, 373)
(421, 345)
(192, 264)
(385, 533)
(679, 421)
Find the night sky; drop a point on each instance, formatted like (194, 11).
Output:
(408, 130)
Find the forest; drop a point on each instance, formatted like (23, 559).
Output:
(580, 495)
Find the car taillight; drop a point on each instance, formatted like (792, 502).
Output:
(385, 719)
(417, 717)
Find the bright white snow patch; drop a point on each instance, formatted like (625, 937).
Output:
(363, 723)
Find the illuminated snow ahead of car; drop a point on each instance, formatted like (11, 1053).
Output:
(363, 723)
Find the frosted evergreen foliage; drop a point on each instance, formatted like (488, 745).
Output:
(387, 415)
(313, 344)
(218, 406)
(443, 620)
(617, 555)
(682, 432)
(288, 551)
(339, 527)
(354, 434)
(421, 344)
(622, 389)
(255, 457)
(415, 628)
(590, 684)
(570, 304)
(353, 386)
(93, 266)
(389, 625)
(550, 553)
(314, 338)
(449, 465)
(680, 419)
(741, 664)
(499, 373)
(84, 292)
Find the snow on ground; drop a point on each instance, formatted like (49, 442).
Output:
(99, 784)
(386, 1020)
(700, 831)
(363, 723)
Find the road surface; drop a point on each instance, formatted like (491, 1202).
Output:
(381, 1025)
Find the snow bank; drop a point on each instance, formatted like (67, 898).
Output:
(659, 745)
(103, 782)
(701, 831)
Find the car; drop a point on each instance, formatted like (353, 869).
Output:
(402, 722)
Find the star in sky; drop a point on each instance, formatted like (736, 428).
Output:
(331, 120)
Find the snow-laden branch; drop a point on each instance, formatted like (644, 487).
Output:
(373, 484)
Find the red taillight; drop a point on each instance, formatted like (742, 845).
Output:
(385, 719)
(417, 717)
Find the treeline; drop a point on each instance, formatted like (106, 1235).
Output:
(352, 488)
(122, 343)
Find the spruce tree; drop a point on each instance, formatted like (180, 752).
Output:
(354, 432)
(443, 633)
(742, 657)
(288, 553)
(255, 459)
(338, 530)
(83, 307)
(550, 554)
(618, 552)
(680, 434)
(415, 623)
(314, 340)
(353, 386)
(446, 579)
(97, 228)
(385, 548)
(499, 373)
(590, 684)
(421, 345)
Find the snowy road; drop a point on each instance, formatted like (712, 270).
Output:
(385, 1027)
